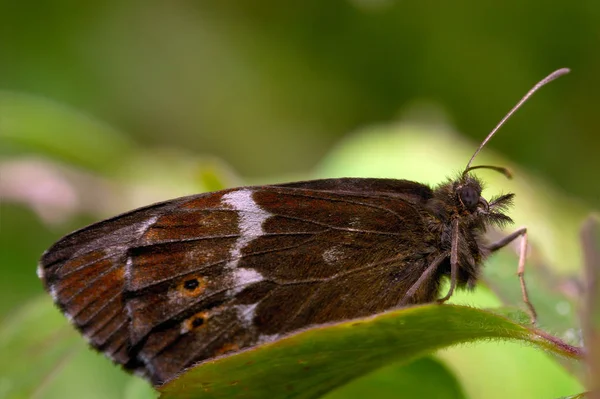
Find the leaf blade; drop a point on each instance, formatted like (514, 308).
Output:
(315, 361)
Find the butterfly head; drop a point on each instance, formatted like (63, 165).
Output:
(466, 196)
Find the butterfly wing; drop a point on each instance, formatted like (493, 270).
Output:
(84, 273)
(163, 287)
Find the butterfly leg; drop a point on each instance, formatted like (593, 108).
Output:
(415, 287)
(522, 232)
(453, 262)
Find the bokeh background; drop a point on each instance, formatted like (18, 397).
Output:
(111, 105)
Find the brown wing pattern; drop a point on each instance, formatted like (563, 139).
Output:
(166, 286)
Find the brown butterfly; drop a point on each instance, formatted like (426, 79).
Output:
(161, 288)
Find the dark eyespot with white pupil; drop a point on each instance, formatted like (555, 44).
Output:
(469, 197)
(191, 284)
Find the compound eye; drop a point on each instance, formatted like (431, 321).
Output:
(469, 197)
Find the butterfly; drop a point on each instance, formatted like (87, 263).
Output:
(163, 287)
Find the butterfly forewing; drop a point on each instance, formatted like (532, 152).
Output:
(166, 286)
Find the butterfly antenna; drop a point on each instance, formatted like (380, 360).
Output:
(541, 83)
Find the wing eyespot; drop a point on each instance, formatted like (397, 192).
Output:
(192, 287)
(195, 322)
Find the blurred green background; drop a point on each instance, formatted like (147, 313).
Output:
(111, 105)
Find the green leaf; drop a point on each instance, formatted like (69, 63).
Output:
(423, 378)
(557, 309)
(40, 126)
(313, 362)
(139, 389)
(43, 357)
(33, 336)
(557, 312)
